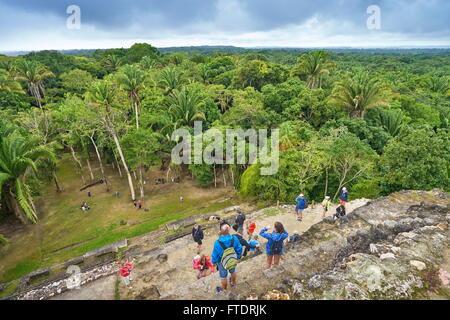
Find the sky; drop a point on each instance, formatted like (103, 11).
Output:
(46, 24)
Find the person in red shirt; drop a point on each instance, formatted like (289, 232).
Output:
(251, 226)
(125, 269)
(204, 266)
(139, 202)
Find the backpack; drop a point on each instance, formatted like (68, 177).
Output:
(277, 247)
(229, 256)
(305, 204)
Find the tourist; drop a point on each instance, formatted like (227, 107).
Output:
(254, 245)
(343, 199)
(125, 269)
(302, 204)
(274, 247)
(226, 253)
(246, 245)
(135, 203)
(117, 194)
(240, 219)
(204, 265)
(197, 235)
(89, 194)
(222, 222)
(85, 206)
(340, 212)
(139, 202)
(325, 205)
(251, 226)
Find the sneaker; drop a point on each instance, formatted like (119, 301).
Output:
(219, 289)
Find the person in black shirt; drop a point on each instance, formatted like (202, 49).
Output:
(240, 219)
(197, 235)
(247, 246)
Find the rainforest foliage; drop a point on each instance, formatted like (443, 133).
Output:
(374, 121)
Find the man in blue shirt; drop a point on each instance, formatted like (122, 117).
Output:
(225, 238)
(302, 204)
(344, 196)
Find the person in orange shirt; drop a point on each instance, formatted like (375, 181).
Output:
(251, 226)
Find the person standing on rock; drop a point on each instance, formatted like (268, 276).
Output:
(302, 204)
(325, 205)
(343, 199)
(275, 245)
(251, 226)
(225, 256)
(197, 235)
(240, 219)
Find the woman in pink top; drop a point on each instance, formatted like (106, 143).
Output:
(204, 266)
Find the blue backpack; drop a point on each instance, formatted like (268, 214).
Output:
(305, 204)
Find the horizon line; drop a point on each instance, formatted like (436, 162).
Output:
(243, 47)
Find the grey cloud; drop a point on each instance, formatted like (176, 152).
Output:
(147, 19)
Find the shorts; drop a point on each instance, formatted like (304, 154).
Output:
(299, 211)
(342, 202)
(223, 273)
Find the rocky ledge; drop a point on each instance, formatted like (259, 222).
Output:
(395, 247)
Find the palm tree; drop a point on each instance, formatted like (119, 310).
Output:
(102, 96)
(438, 84)
(147, 63)
(184, 107)
(314, 65)
(19, 158)
(8, 84)
(170, 79)
(132, 81)
(34, 74)
(112, 62)
(360, 93)
(390, 120)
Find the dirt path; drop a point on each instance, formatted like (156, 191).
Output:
(167, 275)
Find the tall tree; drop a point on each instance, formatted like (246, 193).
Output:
(34, 75)
(102, 96)
(132, 79)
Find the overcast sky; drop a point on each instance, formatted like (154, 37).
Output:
(41, 24)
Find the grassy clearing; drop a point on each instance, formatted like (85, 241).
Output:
(64, 231)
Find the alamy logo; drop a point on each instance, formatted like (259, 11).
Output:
(374, 20)
(241, 147)
(74, 281)
(73, 21)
